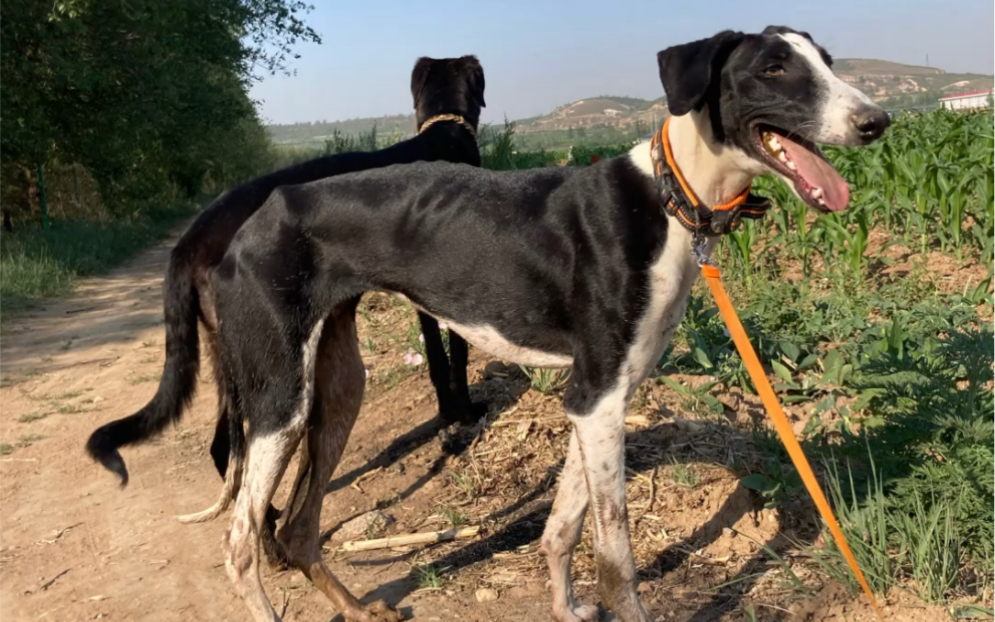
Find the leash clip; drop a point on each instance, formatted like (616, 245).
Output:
(699, 249)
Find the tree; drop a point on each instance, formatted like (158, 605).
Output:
(144, 93)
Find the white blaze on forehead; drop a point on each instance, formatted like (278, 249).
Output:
(839, 101)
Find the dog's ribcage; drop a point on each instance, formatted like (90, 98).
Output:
(671, 278)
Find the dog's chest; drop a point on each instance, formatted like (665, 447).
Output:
(671, 279)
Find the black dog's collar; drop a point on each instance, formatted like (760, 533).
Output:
(447, 117)
(680, 202)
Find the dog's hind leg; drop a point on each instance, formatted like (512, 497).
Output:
(339, 385)
(271, 445)
(268, 457)
(562, 534)
(459, 357)
(449, 374)
(221, 452)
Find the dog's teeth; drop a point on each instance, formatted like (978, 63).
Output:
(816, 193)
(773, 145)
(791, 165)
(781, 157)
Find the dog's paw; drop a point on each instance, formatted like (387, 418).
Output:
(578, 613)
(276, 555)
(463, 412)
(378, 611)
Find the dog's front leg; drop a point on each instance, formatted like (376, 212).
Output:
(563, 533)
(598, 416)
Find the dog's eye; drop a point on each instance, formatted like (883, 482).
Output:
(774, 70)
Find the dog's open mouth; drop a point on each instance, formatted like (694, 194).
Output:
(814, 178)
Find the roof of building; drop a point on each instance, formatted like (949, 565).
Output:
(967, 94)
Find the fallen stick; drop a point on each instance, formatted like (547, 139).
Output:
(47, 584)
(428, 537)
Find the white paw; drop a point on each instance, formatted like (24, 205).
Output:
(578, 613)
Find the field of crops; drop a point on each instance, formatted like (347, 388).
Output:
(876, 324)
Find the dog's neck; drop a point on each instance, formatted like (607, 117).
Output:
(716, 173)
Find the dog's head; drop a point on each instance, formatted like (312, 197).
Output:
(448, 86)
(773, 96)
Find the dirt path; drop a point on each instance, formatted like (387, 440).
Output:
(77, 547)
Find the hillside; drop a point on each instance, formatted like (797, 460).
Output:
(895, 85)
(607, 118)
(318, 131)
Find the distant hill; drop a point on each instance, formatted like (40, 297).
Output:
(894, 85)
(318, 131)
(612, 119)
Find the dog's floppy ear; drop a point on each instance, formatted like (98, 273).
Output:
(686, 70)
(475, 78)
(419, 76)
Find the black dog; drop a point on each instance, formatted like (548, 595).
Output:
(448, 95)
(583, 267)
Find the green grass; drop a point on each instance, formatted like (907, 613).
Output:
(143, 378)
(32, 416)
(465, 482)
(72, 409)
(6, 449)
(546, 380)
(684, 475)
(454, 516)
(36, 264)
(429, 577)
(27, 440)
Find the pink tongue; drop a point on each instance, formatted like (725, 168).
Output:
(817, 173)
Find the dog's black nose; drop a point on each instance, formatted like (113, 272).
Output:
(870, 123)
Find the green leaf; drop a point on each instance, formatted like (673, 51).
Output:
(713, 403)
(795, 399)
(702, 358)
(676, 386)
(782, 372)
(790, 350)
(808, 361)
(832, 363)
(756, 481)
(876, 421)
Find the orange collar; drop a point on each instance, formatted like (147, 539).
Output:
(681, 202)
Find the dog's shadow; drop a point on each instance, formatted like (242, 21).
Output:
(455, 439)
(532, 510)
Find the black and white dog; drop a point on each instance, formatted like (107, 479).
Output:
(588, 268)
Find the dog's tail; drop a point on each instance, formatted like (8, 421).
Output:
(179, 376)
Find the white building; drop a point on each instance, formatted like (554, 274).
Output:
(970, 100)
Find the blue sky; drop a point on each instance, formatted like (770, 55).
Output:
(538, 55)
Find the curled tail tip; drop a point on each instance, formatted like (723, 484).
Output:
(210, 513)
(103, 451)
(199, 517)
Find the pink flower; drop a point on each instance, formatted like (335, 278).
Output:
(413, 359)
(421, 338)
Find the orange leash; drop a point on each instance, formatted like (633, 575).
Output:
(773, 406)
